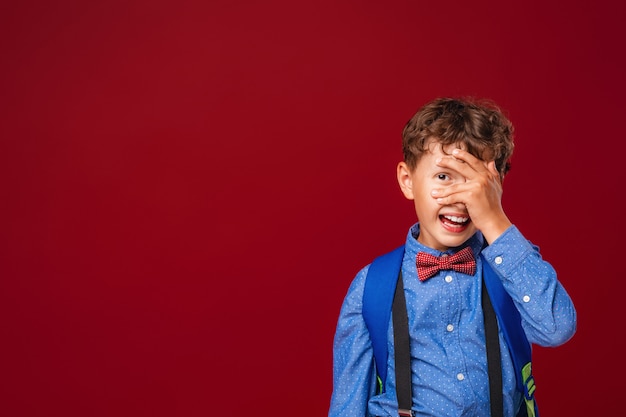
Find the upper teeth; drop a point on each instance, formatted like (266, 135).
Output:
(457, 219)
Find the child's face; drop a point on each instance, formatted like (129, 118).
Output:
(441, 227)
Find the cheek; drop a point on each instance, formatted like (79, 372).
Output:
(426, 204)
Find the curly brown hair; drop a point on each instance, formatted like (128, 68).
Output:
(477, 124)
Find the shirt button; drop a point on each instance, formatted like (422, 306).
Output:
(448, 278)
(460, 377)
(526, 298)
(449, 327)
(498, 260)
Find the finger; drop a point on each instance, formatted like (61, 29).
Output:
(449, 199)
(459, 166)
(442, 200)
(468, 158)
(448, 191)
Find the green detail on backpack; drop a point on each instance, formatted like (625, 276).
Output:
(529, 383)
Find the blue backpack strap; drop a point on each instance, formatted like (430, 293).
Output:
(380, 285)
(511, 327)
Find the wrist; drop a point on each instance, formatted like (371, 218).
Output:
(495, 229)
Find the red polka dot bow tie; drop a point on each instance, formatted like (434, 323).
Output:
(428, 265)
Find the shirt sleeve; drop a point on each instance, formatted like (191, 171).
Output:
(548, 314)
(353, 363)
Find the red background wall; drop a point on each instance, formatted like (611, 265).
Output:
(189, 187)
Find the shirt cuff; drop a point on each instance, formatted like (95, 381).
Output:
(508, 250)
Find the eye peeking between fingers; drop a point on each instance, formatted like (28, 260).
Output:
(443, 177)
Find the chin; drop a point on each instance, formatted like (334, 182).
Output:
(455, 241)
(442, 239)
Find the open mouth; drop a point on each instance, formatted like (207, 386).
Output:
(454, 223)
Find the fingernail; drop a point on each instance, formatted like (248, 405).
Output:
(438, 160)
(456, 151)
(434, 192)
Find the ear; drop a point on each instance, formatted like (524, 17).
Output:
(405, 180)
(491, 167)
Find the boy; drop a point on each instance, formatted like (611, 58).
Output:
(456, 154)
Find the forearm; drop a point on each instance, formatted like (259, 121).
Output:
(548, 314)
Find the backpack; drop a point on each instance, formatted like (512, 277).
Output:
(380, 285)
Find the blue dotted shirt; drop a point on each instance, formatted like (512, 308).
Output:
(449, 367)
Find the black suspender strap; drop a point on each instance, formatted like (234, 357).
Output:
(403, 353)
(494, 365)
